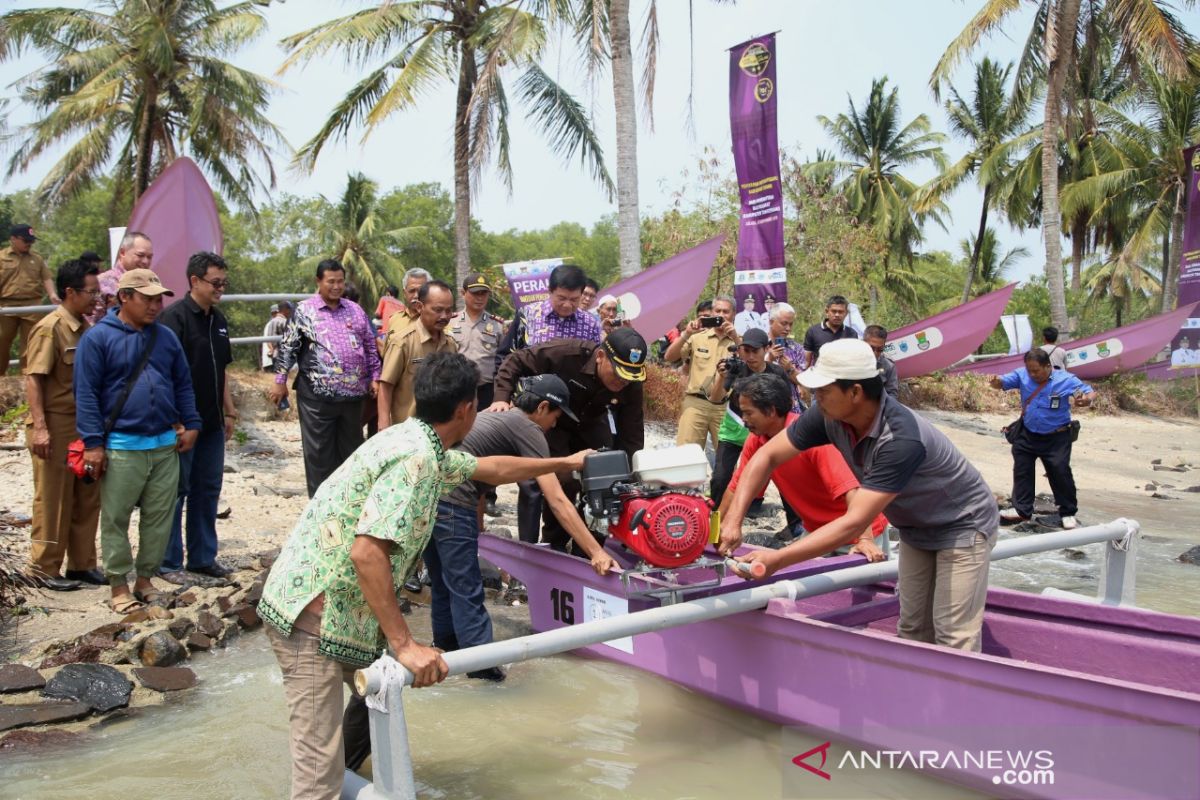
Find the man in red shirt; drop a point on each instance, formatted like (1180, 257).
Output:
(817, 484)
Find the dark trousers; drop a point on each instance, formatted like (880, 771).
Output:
(201, 473)
(329, 433)
(728, 454)
(356, 732)
(529, 511)
(1054, 450)
(452, 557)
(485, 393)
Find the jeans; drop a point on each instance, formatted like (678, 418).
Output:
(452, 557)
(201, 473)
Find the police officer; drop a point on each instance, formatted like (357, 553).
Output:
(605, 381)
(478, 333)
(1045, 433)
(700, 347)
(23, 279)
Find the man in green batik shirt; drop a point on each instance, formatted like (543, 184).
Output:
(331, 598)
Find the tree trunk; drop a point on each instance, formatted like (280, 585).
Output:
(1060, 47)
(145, 141)
(629, 230)
(1078, 246)
(973, 267)
(1170, 288)
(462, 166)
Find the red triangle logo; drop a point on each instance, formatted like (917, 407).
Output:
(823, 749)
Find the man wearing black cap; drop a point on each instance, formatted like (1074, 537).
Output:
(478, 333)
(605, 383)
(23, 280)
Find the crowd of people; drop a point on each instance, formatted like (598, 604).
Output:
(455, 401)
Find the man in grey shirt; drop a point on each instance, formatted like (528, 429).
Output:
(908, 470)
(1058, 356)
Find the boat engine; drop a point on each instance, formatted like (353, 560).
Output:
(656, 509)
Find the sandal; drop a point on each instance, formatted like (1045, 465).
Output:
(125, 604)
(151, 597)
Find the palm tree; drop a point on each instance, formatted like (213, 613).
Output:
(991, 119)
(423, 42)
(1119, 280)
(142, 82)
(982, 255)
(877, 146)
(1144, 28)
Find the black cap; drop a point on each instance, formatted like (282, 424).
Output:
(626, 348)
(89, 256)
(475, 281)
(24, 231)
(756, 338)
(549, 388)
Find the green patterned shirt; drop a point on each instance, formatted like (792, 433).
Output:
(388, 489)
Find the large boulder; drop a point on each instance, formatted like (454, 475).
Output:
(161, 649)
(1192, 556)
(102, 687)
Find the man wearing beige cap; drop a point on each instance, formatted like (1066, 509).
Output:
(909, 471)
(133, 390)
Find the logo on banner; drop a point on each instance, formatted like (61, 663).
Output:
(1103, 350)
(754, 60)
(819, 771)
(763, 90)
(922, 341)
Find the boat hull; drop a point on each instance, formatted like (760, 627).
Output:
(833, 664)
(943, 339)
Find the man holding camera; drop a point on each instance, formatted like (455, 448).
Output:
(704, 342)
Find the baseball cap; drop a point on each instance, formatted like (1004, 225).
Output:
(143, 281)
(23, 231)
(756, 338)
(841, 359)
(551, 389)
(89, 256)
(476, 281)
(626, 348)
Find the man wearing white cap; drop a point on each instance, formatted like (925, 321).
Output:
(909, 471)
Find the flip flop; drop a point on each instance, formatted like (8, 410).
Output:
(125, 604)
(151, 597)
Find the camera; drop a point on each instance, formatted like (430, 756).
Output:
(735, 367)
(710, 322)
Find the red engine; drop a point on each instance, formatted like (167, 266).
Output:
(667, 529)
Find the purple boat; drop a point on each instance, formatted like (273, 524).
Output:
(937, 342)
(1119, 350)
(1067, 700)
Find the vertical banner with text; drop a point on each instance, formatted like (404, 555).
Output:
(1185, 346)
(760, 278)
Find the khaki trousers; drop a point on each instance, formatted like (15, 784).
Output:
(10, 326)
(146, 479)
(66, 510)
(699, 419)
(943, 593)
(312, 683)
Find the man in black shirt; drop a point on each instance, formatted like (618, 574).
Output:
(834, 327)
(204, 334)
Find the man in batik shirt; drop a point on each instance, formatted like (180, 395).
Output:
(330, 602)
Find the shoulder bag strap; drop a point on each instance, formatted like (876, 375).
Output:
(133, 377)
(1025, 405)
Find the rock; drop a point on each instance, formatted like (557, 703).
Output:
(1161, 468)
(1193, 489)
(16, 520)
(405, 605)
(76, 654)
(225, 513)
(111, 630)
(247, 617)
(185, 599)
(209, 625)
(283, 491)
(198, 641)
(1150, 487)
(165, 679)
(100, 642)
(224, 603)
(762, 540)
(36, 740)
(161, 649)
(228, 634)
(1156, 462)
(20, 716)
(491, 575)
(180, 628)
(230, 469)
(1161, 496)
(267, 560)
(1192, 556)
(100, 686)
(19, 678)
(1074, 555)
(254, 594)
(146, 614)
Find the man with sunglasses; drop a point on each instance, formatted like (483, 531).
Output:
(204, 334)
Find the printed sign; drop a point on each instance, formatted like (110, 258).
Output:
(914, 343)
(598, 605)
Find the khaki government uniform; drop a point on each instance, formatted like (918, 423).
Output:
(65, 509)
(700, 418)
(478, 342)
(400, 321)
(402, 354)
(22, 283)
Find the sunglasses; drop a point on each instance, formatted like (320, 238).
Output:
(217, 284)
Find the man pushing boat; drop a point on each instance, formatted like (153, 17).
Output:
(909, 471)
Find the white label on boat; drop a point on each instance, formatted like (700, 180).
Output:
(914, 344)
(598, 605)
(1106, 348)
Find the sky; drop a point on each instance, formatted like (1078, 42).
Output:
(827, 53)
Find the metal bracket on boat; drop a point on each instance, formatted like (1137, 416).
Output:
(1118, 575)
(663, 584)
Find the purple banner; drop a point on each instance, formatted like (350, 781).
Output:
(529, 281)
(760, 279)
(658, 297)
(1185, 345)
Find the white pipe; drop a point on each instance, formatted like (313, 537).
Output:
(229, 298)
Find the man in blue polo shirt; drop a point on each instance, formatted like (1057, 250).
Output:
(1045, 433)
(907, 470)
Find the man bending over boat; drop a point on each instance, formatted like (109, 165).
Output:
(947, 517)
(330, 601)
(816, 484)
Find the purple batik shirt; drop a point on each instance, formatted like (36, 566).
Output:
(542, 325)
(336, 349)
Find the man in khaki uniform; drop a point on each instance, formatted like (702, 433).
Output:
(477, 334)
(23, 280)
(702, 348)
(403, 353)
(413, 280)
(66, 509)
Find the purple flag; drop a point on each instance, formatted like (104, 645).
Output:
(658, 297)
(1185, 345)
(760, 279)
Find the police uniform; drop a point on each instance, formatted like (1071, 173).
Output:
(402, 353)
(478, 341)
(23, 279)
(66, 511)
(700, 417)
